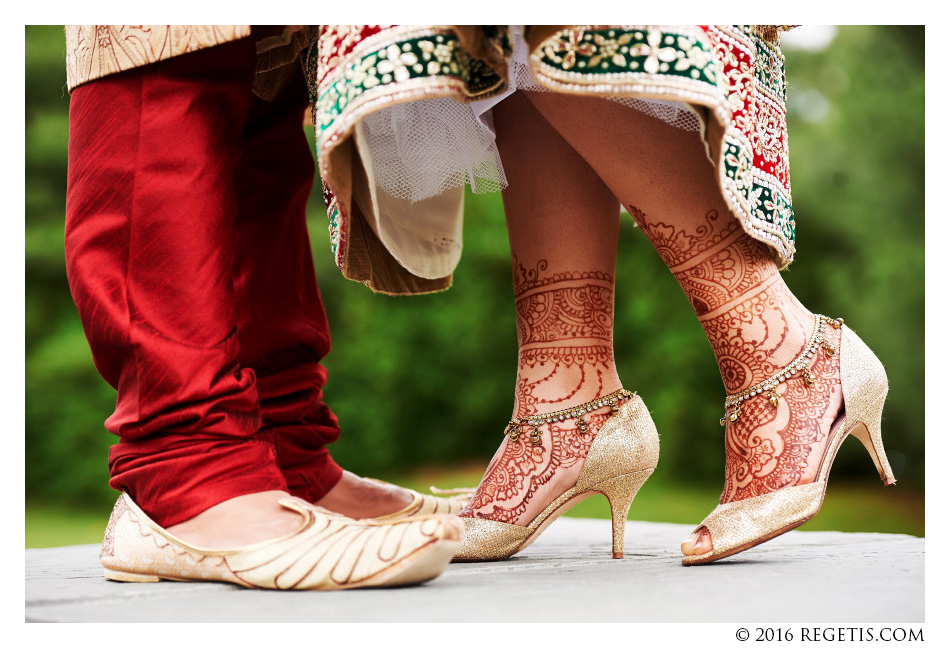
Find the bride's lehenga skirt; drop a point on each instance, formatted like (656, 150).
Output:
(403, 122)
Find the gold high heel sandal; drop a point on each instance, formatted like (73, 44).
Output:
(623, 455)
(739, 525)
(327, 552)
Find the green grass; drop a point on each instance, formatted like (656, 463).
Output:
(847, 507)
(51, 525)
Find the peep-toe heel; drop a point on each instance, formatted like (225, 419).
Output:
(623, 455)
(739, 525)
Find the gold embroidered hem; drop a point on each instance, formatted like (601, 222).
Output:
(732, 77)
(354, 71)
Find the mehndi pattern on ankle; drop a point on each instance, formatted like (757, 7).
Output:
(535, 421)
(797, 368)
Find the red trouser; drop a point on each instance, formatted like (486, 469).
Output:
(188, 259)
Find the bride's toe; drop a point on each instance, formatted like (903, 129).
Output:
(698, 543)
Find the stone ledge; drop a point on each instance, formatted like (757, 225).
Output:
(568, 575)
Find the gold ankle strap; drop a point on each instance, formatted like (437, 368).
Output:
(534, 421)
(797, 368)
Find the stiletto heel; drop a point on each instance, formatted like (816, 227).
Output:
(739, 525)
(620, 492)
(624, 453)
(868, 431)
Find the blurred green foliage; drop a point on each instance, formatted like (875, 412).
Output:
(428, 380)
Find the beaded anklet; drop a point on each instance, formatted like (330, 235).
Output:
(513, 429)
(797, 368)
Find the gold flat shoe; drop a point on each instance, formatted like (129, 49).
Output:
(452, 503)
(621, 458)
(742, 524)
(327, 552)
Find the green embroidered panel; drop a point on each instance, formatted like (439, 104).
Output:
(333, 216)
(770, 69)
(612, 51)
(738, 163)
(438, 57)
(773, 207)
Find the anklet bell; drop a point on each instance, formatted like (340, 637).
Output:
(536, 436)
(797, 368)
(809, 378)
(535, 421)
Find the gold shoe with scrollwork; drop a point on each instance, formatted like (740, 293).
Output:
(739, 525)
(327, 552)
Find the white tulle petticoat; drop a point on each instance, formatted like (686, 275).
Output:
(417, 151)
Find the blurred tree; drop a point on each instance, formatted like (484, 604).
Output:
(66, 400)
(427, 380)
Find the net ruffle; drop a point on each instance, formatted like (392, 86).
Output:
(422, 148)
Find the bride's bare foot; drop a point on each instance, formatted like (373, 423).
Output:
(779, 442)
(358, 498)
(565, 359)
(239, 521)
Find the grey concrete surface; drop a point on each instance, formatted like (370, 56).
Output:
(566, 575)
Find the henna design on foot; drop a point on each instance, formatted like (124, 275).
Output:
(522, 468)
(756, 327)
(565, 337)
(771, 447)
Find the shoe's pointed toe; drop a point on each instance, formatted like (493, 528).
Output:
(490, 540)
